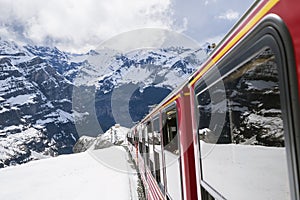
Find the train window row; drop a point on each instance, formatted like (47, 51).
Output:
(241, 129)
(158, 144)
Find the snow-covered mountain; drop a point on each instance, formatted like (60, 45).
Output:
(35, 107)
(108, 69)
(139, 78)
(37, 84)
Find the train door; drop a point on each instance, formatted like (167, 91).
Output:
(172, 153)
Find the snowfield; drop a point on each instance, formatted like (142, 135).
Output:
(75, 177)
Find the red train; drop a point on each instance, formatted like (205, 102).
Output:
(232, 131)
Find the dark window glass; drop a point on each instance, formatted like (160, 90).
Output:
(156, 130)
(170, 132)
(171, 153)
(241, 132)
(205, 195)
(147, 129)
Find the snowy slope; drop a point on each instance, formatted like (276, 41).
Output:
(70, 177)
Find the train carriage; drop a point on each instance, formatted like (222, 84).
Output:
(232, 130)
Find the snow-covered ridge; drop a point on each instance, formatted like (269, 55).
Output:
(116, 135)
(166, 67)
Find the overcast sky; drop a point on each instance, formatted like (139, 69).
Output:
(81, 25)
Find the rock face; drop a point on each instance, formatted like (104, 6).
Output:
(35, 108)
(83, 144)
(261, 123)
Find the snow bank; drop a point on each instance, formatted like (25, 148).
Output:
(70, 177)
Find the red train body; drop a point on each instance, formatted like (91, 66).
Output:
(232, 130)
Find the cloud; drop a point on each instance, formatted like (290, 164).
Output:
(229, 15)
(208, 20)
(80, 25)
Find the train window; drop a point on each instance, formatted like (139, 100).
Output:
(157, 151)
(136, 137)
(171, 153)
(240, 130)
(145, 149)
(141, 128)
(146, 155)
(128, 138)
(151, 151)
(141, 140)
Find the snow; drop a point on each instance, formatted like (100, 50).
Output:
(38, 156)
(58, 115)
(65, 100)
(135, 75)
(71, 177)
(64, 116)
(120, 135)
(48, 104)
(22, 99)
(260, 84)
(246, 171)
(3, 110)
(9, 146)
(44, 121)
(11, 128)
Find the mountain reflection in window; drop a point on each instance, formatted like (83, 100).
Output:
(240, 130)
(250, 109)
